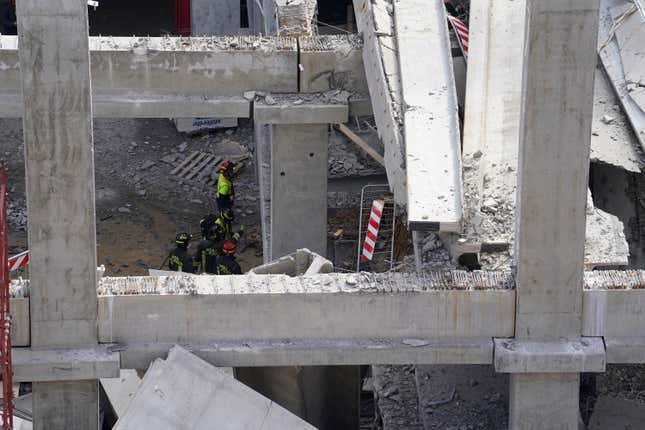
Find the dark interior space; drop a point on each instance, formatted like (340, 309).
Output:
(127, 18)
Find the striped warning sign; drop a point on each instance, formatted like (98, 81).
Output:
(18, 261)
(372, 230)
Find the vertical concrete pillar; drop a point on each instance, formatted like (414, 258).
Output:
(299, 188)
(215, 17)
(59, 157)
(557, 102)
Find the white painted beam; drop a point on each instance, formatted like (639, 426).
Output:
(430, 116)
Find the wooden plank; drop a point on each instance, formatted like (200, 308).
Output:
(184, 163)
(198, 169)
(362, 144)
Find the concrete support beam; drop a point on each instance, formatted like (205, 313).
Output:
(65, 405)
(554, 164)
(57, 125)
(430, 116)
(316, 307)
(544, 401)
(555, 136)
(625, 350)
(142, 106)
(299, 141)
(322, 352)
(560, 356)
(208, 67)
(64, 364)
(299, 188)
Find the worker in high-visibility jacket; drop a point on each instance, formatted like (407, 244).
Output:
(179, 260)
(226, 262)
(224, 226)
(225, 195)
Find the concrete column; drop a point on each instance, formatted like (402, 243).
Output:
(557, 103)
(299, 188)
(59, 157)
(215, 17)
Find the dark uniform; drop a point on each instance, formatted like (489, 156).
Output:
(223, 227)
(228, 265)
(206, 255)
(180, 260)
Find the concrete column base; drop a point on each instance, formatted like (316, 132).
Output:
(68, 405)
(544, 401)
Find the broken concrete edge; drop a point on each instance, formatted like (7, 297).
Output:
(363, 282)
(321, 352)
(585, 354)
(301, 262)
(73, 364)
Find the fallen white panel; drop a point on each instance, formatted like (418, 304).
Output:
(121, 390)
(375, 22)
(430, 116)
(609, 52)
(186, 392)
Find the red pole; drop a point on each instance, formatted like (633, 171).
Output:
(5, 311)
(182, 17)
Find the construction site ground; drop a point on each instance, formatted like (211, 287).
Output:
(141, 206)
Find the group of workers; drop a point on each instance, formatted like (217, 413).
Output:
(215, 253)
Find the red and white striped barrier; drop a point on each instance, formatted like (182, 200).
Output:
(18, 261)
(372, 230)
(462, 34)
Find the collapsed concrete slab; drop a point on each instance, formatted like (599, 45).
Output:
(301, 262)
(430, 116)
(185, 392)
(375, 22)
(491, 141)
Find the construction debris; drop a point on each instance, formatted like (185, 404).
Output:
(185, 392)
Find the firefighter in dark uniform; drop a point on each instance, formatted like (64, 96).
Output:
(208, 248)
(179, 260)
(225, 194)
(224, 226)
(226, 262)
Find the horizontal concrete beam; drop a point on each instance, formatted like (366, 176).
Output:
(625, 350)
(199, 66)
(142, 106)
(300, 109)
(64, 365)
(321, 352)
(275, 307)
(561, 356)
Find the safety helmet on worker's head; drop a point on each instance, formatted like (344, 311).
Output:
(228, 248)
(227, 167)
(182, 238)
(227, 214)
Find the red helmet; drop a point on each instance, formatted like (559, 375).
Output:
(229, 247)
(226, 166)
